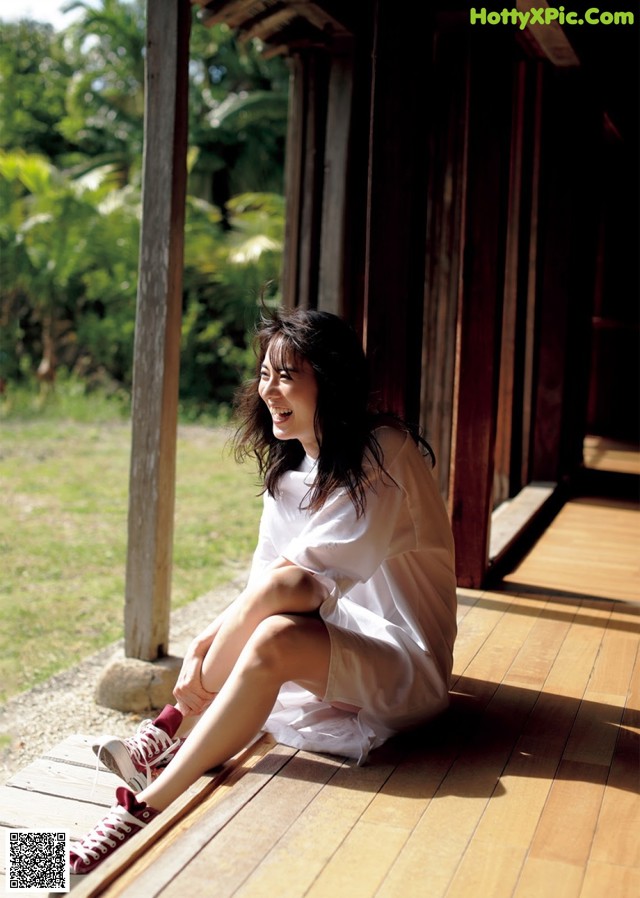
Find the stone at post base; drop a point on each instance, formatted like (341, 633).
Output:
(128, 684)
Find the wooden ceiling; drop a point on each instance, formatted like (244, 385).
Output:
(282, 25)
(607, 56)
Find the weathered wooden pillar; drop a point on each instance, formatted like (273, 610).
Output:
(157, 340)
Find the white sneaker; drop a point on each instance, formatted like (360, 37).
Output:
(139, 757)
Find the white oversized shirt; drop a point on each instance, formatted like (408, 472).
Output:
(391, 609)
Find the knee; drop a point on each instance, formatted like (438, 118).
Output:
(270, 646)
(293, 589)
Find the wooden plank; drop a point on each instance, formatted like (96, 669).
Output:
(538, 653)
(466, 599)
(79, 783)
(607, 455)
(37, 811)
(246, 839)
(572, 669)
(510, 820)
(487, 870)
(359, 866)
(316, 80)
(527, 780)
(297, 863)
(509, 519)
(592, 547)
(479, 622)
(120, 873)
(418, 784)
(422, 762)
(70, 770)
(568, 821)
(544, 877)
(75, 749)
(65, 789)
(516, 722)
(594, 734)
(474, 765)
(529, 277)
(501, 646)
(568, 207)
(168, 856)
(616, 837)
(440, 837)
(610, 879)
(595, 731)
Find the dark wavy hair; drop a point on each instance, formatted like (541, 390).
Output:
(343, 421)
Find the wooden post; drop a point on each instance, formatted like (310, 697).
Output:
(333, 237)
(157, 340)
(443, 268)
(396, 214)
(566, 273)
(480, 316)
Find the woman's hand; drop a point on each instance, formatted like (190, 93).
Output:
(189, 692)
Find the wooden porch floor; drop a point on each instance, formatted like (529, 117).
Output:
(529, 786)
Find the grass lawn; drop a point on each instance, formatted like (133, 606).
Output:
(64, 488)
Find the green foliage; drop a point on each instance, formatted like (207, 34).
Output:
(72, 108)
(34, 73)
(238, 116)
(224, 282)
(69, 256)
(105, 96)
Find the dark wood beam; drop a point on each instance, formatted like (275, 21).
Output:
(480, 314)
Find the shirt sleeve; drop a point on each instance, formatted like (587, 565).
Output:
(345, 549)
(265, 552)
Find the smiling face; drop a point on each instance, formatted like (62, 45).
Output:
(290, 391)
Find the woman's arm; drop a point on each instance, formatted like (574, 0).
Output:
(281, 588)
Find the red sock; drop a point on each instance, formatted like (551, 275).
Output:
(169, 719)
(130, 803)
(128, 800)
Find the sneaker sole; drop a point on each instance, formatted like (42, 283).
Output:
(115, 758)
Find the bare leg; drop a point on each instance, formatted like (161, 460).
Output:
(282, 648)
(211, 657)
(288, 590)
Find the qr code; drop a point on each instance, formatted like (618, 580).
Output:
(37, 861)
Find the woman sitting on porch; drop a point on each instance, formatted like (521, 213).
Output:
(344, 633)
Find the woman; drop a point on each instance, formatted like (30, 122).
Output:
(344, 633)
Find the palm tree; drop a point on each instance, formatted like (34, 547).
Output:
(238, 102)
(105, 97)
(238, 117)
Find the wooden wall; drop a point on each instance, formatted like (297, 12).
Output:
(448, 208)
